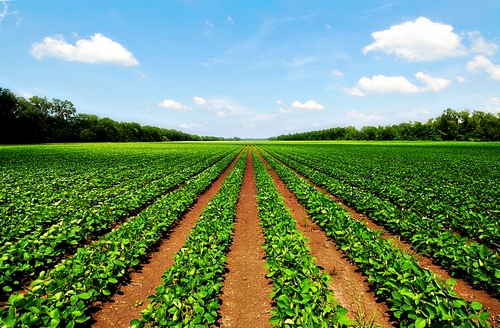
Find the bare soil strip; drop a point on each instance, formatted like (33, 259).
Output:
(245, 291)
(462, 288)
(350, 287)
(131, 297)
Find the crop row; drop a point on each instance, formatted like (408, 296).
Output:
(299, 288)
(40, 206)
(453, 251)
(188, 294)
(30, 254)
(457, 190)
(63, 295)
(417, 297)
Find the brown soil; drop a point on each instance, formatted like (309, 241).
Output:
(131, 297)
(350, 287)
(245, 291)
(462, 288)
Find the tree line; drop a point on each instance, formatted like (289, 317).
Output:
(39, 120)
(449, 126)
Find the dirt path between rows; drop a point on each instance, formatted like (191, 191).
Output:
(462, 288)
(245, 290)
(131, 297)
(350, 287)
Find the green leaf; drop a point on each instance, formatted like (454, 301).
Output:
(476, 305)
(420, 323)
(85, 296)
(274, 320)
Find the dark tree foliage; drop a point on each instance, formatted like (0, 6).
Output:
(39, 120)
(451, 125)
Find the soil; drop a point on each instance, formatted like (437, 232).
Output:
(462, 287)
(245, 290)
(131, 297)
(350, 287)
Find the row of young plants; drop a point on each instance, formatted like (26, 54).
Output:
(459, 255)
(32, 253)
(300, 291)
(37, 204)
(416, 296)
(457, 186)
(188, 295)
(63, 295)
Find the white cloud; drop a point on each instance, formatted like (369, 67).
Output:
(480, 46)
(419, 40)
(337, 72)
(226, 106)
(285, 111)
(299, 61)
(211, 62)
(174, 105)
(99, 49)
(387, 84)
(413, 113)
(249, 125)
(230, 20)
(460, 79)
(200, 101)
(492, 105)
(25, 94)
(279, 102)
(190, 125)
(434, 84)
(353, 91)
(480, 62)
(365, 117)
(310, 104)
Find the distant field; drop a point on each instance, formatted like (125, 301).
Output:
(76, 220)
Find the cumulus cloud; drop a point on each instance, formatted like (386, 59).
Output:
(481, 46)
(310, 104)
(279, 102)
(419, 40)
(99, 49)
(200, 101)
(174, 105)
(285, 111)
(387, 84)
(480, 63)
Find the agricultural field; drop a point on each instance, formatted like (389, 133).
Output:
(267, 234)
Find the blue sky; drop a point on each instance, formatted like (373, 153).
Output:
(255, 68)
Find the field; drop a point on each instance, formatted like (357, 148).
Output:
(229, 234)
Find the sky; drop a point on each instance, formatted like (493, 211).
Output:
(255, 69)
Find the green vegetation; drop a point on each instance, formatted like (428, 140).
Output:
(62, 295)
(188, 295)
(39, 120)
(300, 289)
(417, 296)
(433, 234)
(451, 125)
(75, 218)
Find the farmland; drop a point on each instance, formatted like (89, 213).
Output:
(265, 234)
